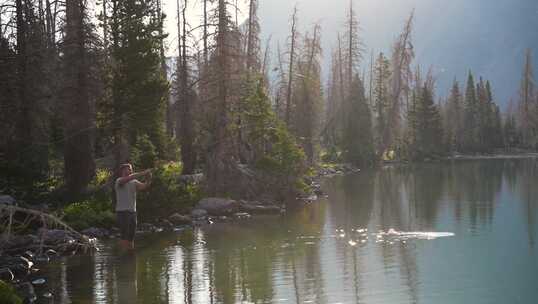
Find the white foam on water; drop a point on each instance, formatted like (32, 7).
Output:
(418, 234)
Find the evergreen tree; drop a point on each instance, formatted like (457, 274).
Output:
(308, 95)
(139, 86)
(381, 98)
(470, 132)
(527, 119)
(510, 132)
(455, 118)
(357, 141)
(429, 132)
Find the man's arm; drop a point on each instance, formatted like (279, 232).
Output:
(145, 185)
(124, 180)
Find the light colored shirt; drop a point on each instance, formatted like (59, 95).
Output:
(126, 195)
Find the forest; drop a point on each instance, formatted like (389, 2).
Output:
(85, 87)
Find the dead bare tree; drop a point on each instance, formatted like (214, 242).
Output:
(402, 57)
(220, 156)
(293, 41)
(185, 97)
(253, 41)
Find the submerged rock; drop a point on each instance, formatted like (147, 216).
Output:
(218, 206)
(178, 219)
(257, 208)
(198, 214)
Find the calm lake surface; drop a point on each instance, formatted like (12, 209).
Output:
(453, 232)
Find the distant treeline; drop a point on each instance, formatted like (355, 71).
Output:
(79, 93)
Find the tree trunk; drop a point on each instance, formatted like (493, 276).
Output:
(220, 158)
(187, 133)
(24, 135)
(78, 156)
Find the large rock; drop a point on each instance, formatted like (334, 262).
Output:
(56, 237)
(218, 206)
(7, 200)
(178, 219)
(20, 241)
(198, 214)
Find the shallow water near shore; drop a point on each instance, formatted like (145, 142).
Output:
(449, 232)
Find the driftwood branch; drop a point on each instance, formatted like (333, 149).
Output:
(45, 217)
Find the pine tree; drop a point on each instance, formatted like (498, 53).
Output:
(455, 117)
(510, 132)
(139, 88)
(381, 98)
(308, 94)
(470, 132)
(357, 141)
(429, 129)
(528, 115)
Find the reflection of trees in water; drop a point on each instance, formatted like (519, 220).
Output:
(245, 257)
(426, 190)
(241, 264)
(472, 187)
(303, 261)
(398, 205)
(358, 208)
(526, 178)
(352, 202)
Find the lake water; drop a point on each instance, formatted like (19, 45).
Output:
(460, 232)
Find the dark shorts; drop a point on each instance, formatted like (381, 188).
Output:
(127, 224)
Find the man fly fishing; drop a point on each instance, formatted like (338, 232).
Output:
(126, 187)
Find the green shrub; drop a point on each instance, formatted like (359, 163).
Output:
(167, 194)
(87, 214)
(8, 295)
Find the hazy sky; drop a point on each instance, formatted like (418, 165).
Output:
(451, 36)
(194, 17)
